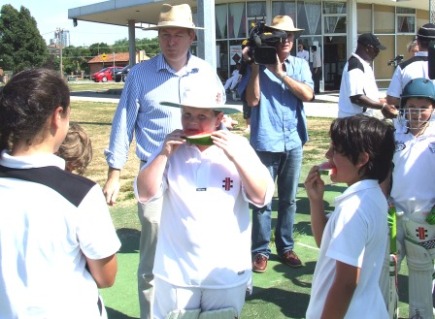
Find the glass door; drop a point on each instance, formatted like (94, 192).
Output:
(334, 61)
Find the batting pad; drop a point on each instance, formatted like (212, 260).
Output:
(226, 313)
(183, 314)
(420, 269)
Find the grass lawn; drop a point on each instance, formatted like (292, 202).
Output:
(281, 292)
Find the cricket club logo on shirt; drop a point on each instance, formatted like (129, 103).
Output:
(227, 183)
(421, 233)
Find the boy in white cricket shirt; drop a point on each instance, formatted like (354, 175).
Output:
(413, 191)
(203, 259)
(353, 239)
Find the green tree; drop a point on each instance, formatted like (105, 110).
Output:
(120, 46)
(99, 48)
(21, 44)
(75, 59)
(151, 46)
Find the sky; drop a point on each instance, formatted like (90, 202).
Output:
(53, 14)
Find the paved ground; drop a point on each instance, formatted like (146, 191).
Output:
(325, 105)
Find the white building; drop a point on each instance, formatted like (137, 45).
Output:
(332, 25)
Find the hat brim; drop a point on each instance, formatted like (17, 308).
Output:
(168, 26)
(225, 108)
(425, 37)
(381, 47)
(286, 30)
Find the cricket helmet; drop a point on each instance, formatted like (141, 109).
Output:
(416, 88)
(420, 87)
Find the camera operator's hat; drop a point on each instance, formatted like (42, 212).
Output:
(179, 16)
(370, 39)
(283, 23)
(427, 31)
(204, 97)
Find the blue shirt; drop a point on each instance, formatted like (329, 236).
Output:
(278, 122)
(139, 111)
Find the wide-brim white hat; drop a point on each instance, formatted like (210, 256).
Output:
(204, 98)
(179, 16)
(284, 23)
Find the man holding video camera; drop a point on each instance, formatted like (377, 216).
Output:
(275, 86)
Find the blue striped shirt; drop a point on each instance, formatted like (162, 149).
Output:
(139, 112)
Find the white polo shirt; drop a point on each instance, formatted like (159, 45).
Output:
(414, 172)
(205, 229)
(355, 234)
(45, 234)
(413, 68)
(303, 55)
(357, 79)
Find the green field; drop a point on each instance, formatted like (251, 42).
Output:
(281, 292)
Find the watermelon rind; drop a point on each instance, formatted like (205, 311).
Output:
(200, 139)
(325, 172)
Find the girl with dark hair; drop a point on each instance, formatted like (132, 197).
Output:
(57, 239)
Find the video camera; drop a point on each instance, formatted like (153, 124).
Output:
(262, 43)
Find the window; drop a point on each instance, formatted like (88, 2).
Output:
(334, 14)
(236, 20)
(284, 8)
(256, 13)
(383, 19)
(405, 22)
(309, 17)
(221, 21)
(364, 18)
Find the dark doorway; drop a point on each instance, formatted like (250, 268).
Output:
(334, 61)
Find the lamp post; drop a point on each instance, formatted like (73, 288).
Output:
(59, 37)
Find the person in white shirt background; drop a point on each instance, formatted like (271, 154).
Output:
(317, 68)
(232, 81)
(302, 53)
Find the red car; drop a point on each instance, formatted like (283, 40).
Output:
(106, 74)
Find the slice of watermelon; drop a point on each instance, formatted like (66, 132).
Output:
(326, 168)
(200, 139)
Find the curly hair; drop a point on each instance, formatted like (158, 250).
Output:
(27, 101)
(76, 149)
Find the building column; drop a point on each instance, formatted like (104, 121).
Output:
(207, 37)
(132, 42)
(352, 24)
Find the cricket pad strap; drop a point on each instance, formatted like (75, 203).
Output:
(420, 267)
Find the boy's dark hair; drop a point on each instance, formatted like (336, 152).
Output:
(357, 134)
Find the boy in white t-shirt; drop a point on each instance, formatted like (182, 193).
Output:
(413, 191)
(353, 239)
(207, 177)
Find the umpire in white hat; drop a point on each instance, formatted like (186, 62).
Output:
(413, 68)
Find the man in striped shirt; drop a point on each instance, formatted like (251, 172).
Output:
(139, 113)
